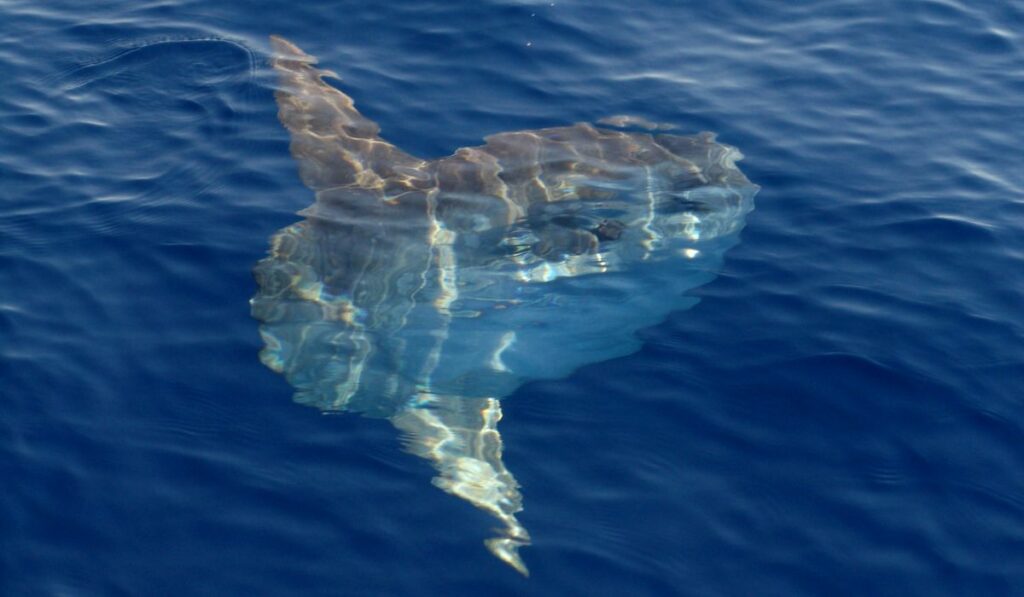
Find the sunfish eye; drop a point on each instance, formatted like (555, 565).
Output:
(556, 243)
(609, 230)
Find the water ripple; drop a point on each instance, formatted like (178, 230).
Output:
(840, 414)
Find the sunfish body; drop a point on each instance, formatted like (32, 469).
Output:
(423, 291)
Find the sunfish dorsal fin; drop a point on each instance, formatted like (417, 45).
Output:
(335, 145)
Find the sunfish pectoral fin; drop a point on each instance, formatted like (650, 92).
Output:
(460, 437)
(333, 143)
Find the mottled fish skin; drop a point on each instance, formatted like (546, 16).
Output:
(423, 291)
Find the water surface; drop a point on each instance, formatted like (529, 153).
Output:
(840, 414)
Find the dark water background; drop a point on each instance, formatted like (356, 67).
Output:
(841, 414)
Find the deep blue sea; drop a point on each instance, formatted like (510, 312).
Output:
(842, 413)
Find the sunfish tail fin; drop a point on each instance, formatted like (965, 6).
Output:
(460, 437)
(335, 145)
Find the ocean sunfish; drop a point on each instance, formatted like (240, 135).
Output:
(424, 291)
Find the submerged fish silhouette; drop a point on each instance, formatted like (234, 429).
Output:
(424, 291)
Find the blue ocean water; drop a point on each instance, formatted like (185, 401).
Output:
(840, 414)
